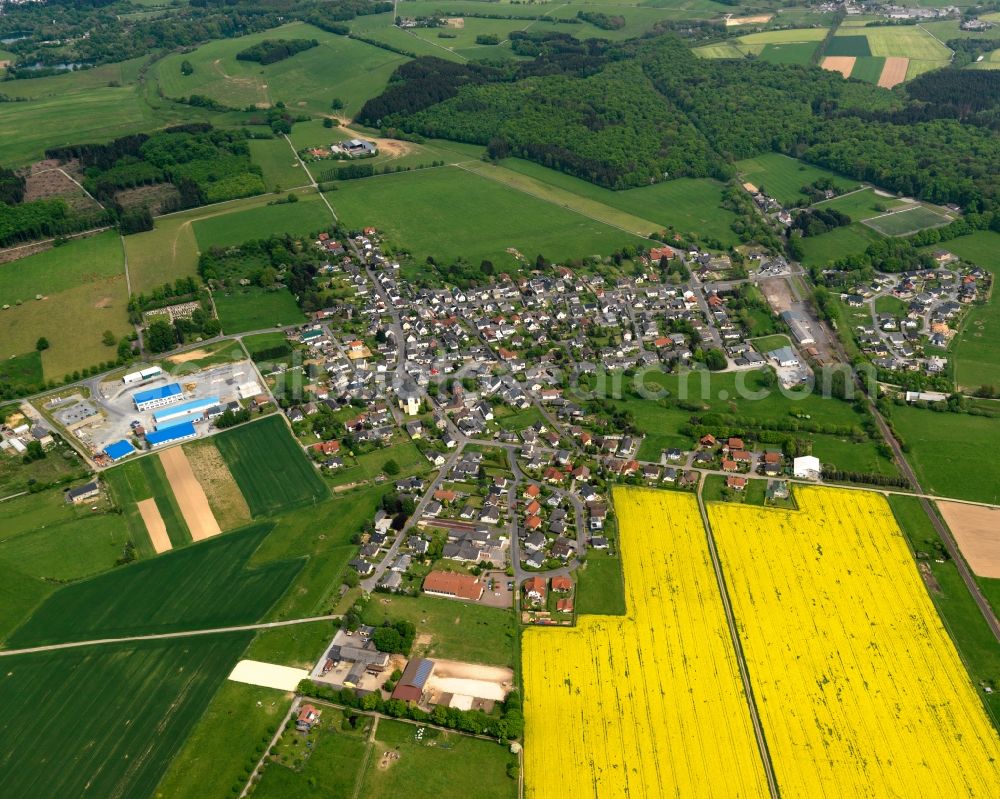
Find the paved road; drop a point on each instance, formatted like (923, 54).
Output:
(164, 636)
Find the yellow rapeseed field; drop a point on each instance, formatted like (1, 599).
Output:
(648, 705)
(859, 688)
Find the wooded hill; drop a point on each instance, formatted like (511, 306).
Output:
(628, 114)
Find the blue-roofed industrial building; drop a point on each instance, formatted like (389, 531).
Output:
(118, 450)
(158, 397)
(177, 432)
(193, 409)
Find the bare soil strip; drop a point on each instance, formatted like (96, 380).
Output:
(759, 18)
(154, 525)
(844, 64)
(894, 71)
(228, 504)
(977, 531)
(190, 495)
(193, 355)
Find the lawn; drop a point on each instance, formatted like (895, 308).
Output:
(203, 586)
(949, 452)
(850, 240)
(905, 222)
(308, 215)
(783, 177)
(440, 765)
(518, 420)
(256, 309)
(457, 630)
(891, 305)
(141, 479)
(269, 467)
(308, 81)
(846, 454)
(46, 538)
(976, 359)
(70, 295)
(371, 464)
(228, 738)
(600, 586)
(688, 205)
(770, 343)
(471, 217)
(959, 612)
(263, 342)
(298, 645)
(862, 204)
(23, 371)
(281, 168)
(107, 720)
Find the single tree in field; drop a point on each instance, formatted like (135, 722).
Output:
(109, 339)
(391, 468)
(42, 344)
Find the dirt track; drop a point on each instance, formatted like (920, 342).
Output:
(190, 495)
(977, 531)
(154, 525)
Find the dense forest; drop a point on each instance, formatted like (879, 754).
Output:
(105, 31)
(631, 113)
(271, 51)
(205, 164)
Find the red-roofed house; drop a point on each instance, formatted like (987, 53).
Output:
(562, 584)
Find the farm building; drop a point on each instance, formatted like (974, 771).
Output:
(118, 450)
(356, 147)
(410, 687)
(798, 323)
(454, 586)
(177, 432)
(807, 467)
(144, 374)
(185, 412)
(158, 397)
(82, 493)
(785, 356)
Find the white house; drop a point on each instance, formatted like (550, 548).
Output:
(807, 467)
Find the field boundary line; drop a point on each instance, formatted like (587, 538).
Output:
(758, 727)
(257, 769)
(266, 625)
(359, 780)
(553, 202)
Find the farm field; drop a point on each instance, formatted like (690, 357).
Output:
(223, 742)
(974, 348)
(256, 309)
(270, 469)
(865, 688)
(791, 46)
(224, 497)
(689, 205)
(783, 177)
(893, 41)
(907, 221)
(472, 218)
(946, 450)
(622, 722)
(83, 293)
(198, 587)
(144, 479)
(307, 82)
(450, 629)
(321, 534)
(960, 614)
(170, 250)
(790, 53)
(105, 720)
(46, 538)
(308, 215)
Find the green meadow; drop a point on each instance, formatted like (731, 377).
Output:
(241, 310)
(974, 349)
(782, 177)
(308, 215)
(69, 295)
(472, 217)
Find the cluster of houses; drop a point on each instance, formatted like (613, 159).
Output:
(931, 303)
(348, 148)
(20, 430)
